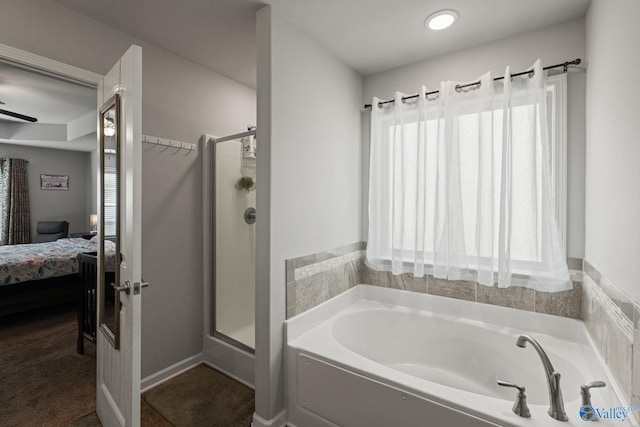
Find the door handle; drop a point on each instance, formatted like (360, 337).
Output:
(126, 287)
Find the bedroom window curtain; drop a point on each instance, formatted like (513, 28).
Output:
(14, 196)
(460, 185)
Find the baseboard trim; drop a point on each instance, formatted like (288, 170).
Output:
(166, 374)
(236, 363)
(279, 420)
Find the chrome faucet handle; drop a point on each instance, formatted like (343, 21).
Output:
(520, 407)
(586, 394)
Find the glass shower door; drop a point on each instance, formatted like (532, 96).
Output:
(234, 213)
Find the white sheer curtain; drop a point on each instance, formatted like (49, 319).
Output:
(460, 185)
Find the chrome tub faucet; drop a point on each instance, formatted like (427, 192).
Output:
(556, 408)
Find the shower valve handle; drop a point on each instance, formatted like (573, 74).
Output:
(520, 407)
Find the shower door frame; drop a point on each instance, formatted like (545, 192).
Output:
(220, 351)
(214, 282)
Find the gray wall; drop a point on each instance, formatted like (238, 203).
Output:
(181, 101)
(309, 125)
(54, 205)
(553, 45)
(613, 149)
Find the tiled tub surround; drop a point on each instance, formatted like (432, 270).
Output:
(313, 279)
(566, 303)
(613, 321)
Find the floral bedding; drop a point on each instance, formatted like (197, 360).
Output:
(21, 263)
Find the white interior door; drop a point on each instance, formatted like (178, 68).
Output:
(118, 370)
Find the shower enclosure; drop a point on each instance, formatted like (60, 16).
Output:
(234, 174)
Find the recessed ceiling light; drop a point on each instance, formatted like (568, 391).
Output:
(441, 19)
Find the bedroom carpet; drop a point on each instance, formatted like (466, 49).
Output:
(44, 381)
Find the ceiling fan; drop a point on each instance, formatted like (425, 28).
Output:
(17, 115)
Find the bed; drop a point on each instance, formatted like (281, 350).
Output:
(41, 274)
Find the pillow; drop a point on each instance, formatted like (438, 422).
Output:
(108, 244)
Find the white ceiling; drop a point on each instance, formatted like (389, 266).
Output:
(49, 99)
(377, 35)
(217, 34)
(369, 35)
(65, 111)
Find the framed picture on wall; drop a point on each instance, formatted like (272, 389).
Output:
(54, 182)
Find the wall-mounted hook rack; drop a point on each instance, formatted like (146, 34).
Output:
(170, 143)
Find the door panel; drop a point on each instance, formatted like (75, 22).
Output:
(118, 371)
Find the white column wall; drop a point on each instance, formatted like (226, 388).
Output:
(309, 156)
(613, 145)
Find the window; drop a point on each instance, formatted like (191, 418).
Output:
(467, 187)
(110, 194)
(557, 122)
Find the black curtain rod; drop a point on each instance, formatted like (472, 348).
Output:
(13, 158)
(564, 65)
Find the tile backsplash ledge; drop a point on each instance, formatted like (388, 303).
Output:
(313, 279)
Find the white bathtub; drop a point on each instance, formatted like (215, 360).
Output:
(383, 357)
